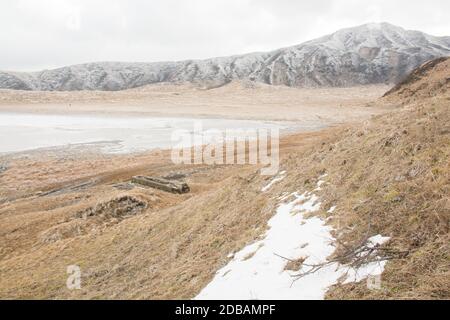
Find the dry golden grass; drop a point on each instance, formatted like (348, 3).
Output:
(389, 176)
(170, 250)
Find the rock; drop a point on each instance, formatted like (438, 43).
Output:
(3, 168)
(162, 184)
(175, 176)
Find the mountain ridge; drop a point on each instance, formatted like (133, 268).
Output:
(367, 54)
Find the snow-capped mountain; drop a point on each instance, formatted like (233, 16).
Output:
(367, 54)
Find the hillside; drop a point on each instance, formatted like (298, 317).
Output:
(429, 80)
(387, 177)
(392, 176)
(367, 54)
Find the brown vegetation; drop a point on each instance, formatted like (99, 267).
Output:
(388, 176)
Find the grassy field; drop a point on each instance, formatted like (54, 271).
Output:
(389, 175)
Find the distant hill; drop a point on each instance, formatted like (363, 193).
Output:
(367, 54)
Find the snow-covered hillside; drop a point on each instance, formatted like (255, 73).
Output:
(367, 54)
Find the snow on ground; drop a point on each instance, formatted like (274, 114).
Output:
(278, 178)
(371, 269)
(258, 271)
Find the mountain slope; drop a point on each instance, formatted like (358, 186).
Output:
(367, 54)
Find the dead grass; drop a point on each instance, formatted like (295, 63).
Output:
(170, 249)
(392, 177)
(388, 176)
(430, 79)
(294, 265)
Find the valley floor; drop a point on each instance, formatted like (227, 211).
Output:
(237, 100)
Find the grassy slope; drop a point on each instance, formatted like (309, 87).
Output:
(391, 176)
(388, 176)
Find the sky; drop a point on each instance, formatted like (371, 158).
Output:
(44, 34)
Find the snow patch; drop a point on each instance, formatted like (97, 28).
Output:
(259, 271)
(278, 178)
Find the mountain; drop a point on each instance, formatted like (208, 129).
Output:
(367, 54)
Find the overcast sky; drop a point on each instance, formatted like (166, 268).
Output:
(38, 34)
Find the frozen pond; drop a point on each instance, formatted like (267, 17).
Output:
(21, 132)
